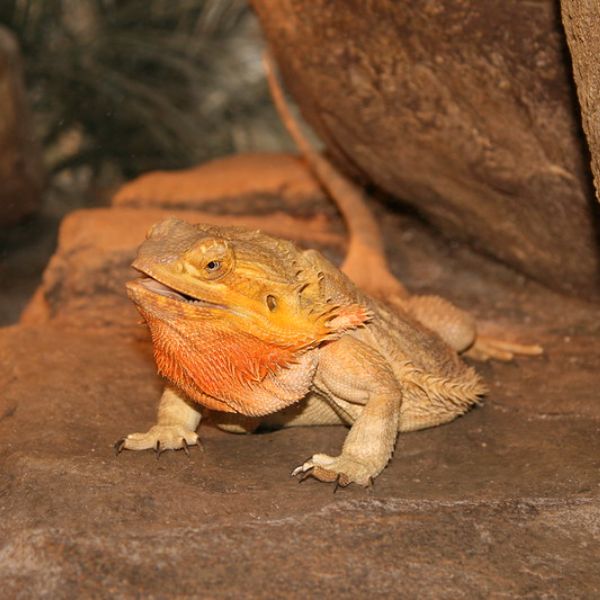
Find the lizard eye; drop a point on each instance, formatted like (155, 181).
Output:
(209, 259)
(271, 302)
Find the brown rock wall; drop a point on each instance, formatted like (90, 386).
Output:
(581, 18)
(463, 109)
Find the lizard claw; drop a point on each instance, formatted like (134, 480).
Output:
(118, 446)
(159, 438)
(339, 470)
(157, 449)
(336, 485)
(306, 475)
(302, 468)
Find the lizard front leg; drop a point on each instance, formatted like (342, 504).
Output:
(359, 380)
(175, 428)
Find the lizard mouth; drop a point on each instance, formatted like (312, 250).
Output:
(156, 287)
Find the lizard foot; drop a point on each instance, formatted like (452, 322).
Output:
(159, 438)
(486, 348)
(341, 470)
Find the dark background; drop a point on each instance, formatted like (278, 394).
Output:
(117, 88)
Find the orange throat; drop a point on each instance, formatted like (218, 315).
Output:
(214, 365)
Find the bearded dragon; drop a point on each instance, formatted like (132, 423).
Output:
(257, 332)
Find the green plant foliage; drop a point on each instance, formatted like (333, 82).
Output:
(140, 84)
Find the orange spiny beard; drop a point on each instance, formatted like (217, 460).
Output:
(212, 364)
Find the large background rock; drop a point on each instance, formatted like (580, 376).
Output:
(21, 173)
(463, 109)
(581, 18)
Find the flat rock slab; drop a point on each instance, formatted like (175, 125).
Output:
(252, 183)
(504, 502)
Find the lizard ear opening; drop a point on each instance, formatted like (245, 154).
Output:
(271, 302)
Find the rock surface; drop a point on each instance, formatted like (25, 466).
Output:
(465, 110)
(502, 503)
(21, 171)
(230, 185)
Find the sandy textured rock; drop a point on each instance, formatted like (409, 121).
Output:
(21, 170)
(463, 109)
(504, 501)
(84, 280)
(237, 184)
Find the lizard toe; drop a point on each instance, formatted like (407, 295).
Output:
(159, 438)
(486, 348)
(341, 470)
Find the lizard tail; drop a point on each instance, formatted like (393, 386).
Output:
(365, 263)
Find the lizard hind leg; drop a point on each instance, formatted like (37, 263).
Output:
(455, 326)
(459, 330)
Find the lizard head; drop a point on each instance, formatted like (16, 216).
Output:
(254, 299)
(254, 283)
